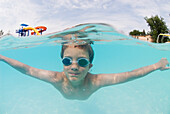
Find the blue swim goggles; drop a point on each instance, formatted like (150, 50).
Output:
(83, 62)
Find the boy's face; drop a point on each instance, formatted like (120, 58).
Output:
(74, 72)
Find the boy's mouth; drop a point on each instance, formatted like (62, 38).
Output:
(74, 74)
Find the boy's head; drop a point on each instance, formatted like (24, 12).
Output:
(77, 60)
(86, 47)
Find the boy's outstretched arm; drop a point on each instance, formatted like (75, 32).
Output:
(45, 75)
(110, 79)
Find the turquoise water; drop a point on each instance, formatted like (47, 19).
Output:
(20, 94)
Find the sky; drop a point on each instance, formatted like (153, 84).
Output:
(56, 15)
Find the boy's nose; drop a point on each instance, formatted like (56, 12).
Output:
(74, 67)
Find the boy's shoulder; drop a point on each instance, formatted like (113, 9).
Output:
(58, 77)
(93, 78)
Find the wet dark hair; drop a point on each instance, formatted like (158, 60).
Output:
(83, 46)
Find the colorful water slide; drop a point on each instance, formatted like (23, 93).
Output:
(40, 28)
(31, 28)
(24, 30)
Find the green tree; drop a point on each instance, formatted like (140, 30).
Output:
(157, 25)
(144, 33)
(135, 33)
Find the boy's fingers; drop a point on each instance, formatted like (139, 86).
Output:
(168, 67)
(165, 68)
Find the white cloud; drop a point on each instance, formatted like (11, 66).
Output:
(80, 4)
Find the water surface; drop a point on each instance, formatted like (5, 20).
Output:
(114, 53)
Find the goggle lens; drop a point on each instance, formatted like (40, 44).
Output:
(83, 62)
(67, 61)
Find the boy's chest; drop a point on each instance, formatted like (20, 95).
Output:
(77, 93)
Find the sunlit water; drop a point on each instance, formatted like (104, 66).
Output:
(114, 53)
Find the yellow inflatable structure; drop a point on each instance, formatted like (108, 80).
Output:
(163, 38)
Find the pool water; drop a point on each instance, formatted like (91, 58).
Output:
(21, 94)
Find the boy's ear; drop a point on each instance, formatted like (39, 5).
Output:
(90, 65)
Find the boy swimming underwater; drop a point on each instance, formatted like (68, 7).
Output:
(75, 81)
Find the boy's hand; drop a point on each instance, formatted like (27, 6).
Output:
(162, 64)
(0, 57)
